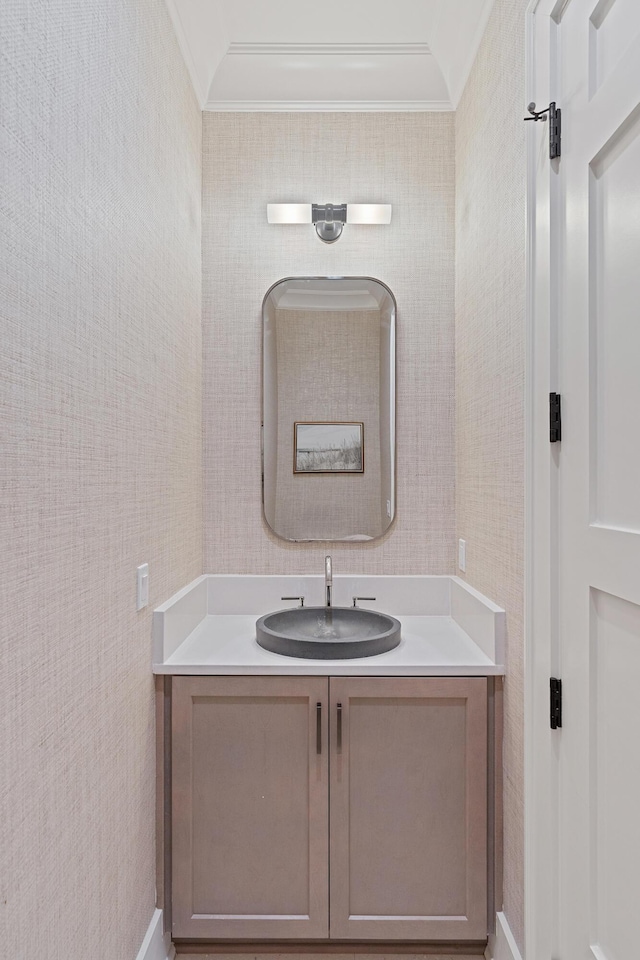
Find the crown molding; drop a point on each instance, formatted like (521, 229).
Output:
(185, 50)
(456, 84)
(329, 49)
(328, 106)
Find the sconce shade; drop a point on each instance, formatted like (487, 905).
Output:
(289, 213)
(368, 213)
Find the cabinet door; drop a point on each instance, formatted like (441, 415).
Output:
(408, 808)
(249, 807)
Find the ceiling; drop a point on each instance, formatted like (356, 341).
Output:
(329, 54)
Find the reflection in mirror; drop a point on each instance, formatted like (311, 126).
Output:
(329, 408)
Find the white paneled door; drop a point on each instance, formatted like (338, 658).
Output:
(590, 293)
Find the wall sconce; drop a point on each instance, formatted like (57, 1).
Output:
(329, 219)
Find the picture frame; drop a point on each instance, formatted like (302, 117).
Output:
(329, 447)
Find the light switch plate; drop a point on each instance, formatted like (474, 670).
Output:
(142, 582)
(462, 555)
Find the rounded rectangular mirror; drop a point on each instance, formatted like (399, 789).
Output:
(329, 362)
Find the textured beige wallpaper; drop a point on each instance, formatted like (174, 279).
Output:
(100, 357)
(403, 159)
(490, 359)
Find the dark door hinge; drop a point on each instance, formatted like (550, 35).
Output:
(555, 418)
(555, 692)
(555, 131)
(555, 126)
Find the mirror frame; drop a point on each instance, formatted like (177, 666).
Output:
(393, 422)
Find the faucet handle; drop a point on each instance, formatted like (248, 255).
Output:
(301, 599)
(355, 600)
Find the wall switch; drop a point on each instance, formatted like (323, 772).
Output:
(388, 508)
(142, 580)
(462, 555)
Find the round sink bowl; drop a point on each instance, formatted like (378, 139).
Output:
(328, 633)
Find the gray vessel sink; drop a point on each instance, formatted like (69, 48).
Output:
(328, 633)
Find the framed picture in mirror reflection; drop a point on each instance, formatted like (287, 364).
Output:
(322, 447)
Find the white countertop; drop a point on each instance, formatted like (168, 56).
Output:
(430, 646)
(190, 639)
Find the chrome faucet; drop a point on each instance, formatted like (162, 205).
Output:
(328, 581)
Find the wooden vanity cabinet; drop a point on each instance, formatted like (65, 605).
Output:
(273, 778)
(408, 848)
(250, 844)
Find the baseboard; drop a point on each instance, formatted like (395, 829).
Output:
(156, 945)
(502, 945)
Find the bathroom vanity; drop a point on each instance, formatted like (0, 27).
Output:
(348, 800)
